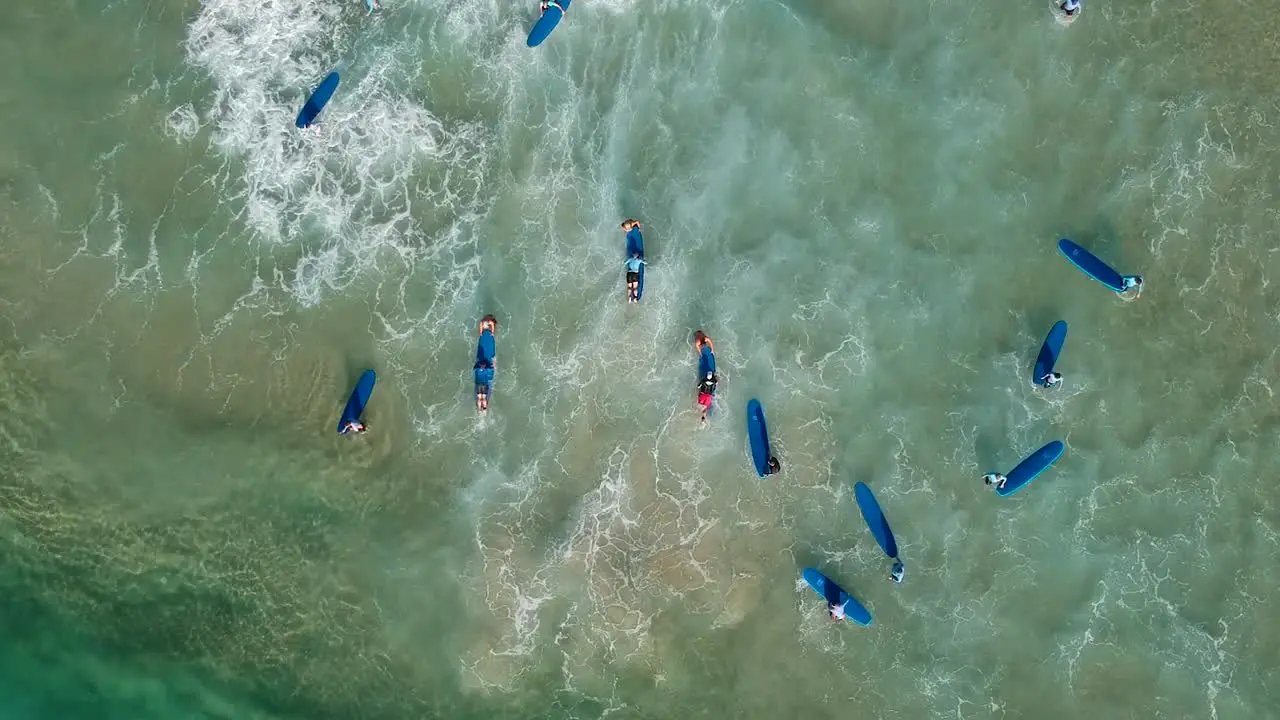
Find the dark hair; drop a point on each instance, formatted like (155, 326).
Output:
(699, 336)
(774, 465)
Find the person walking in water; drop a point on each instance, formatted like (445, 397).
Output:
(898, 572)
(836, 611)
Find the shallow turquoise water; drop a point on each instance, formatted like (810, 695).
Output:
(858, 201)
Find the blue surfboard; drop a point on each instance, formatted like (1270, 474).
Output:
(1049, 352)
(317, 101)
(359, 398)
(1091, 265)
(706, 362)
(486, 351)
(875, 519)
(1030, 469)
(635, 244)
(758, 435)
(548, 22)
(834, 594)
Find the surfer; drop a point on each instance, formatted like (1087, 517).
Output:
(484, 366)
(546, 4)
(482, 387)
(898, 572)
(1133, 282)
(836, 611)
(1069, 8)
(775, 467)
(994, 479)
(707, 392)
(354, 426)
(372, 5)
(699, 339)
(1051, 380)
(633, 277)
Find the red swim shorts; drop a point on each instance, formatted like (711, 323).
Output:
(704, 399)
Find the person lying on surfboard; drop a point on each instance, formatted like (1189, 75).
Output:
(633, 277)
(706, 385)
(489, 323)
(898, 572)
(700, 338)
(1051, 380)
(482, 390)
(994, 479)
(706, 393)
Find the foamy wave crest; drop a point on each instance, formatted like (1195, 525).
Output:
(361, 180)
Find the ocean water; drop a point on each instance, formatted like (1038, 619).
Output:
(857, 199)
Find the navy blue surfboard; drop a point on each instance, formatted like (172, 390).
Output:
(317, 101)
(706, 362)
(635, 244)
(548, 22)
(1090, 265)
(758, 436)
(834, 594)
(486, 351)
(1049, 352)
(1030, 469)
(875, 519)
(359, 398)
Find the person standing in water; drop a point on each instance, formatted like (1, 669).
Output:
(898, 572)
(1134, 283)
(836, 611)
(995, 479)
(1051, 380)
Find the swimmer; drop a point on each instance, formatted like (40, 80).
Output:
(1069, 8)
(898, 572)
(994, 479)
(545, 4)
(354, 426)
(775, 467)
(372, 5)
(1133, 282)
(1051, 380)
